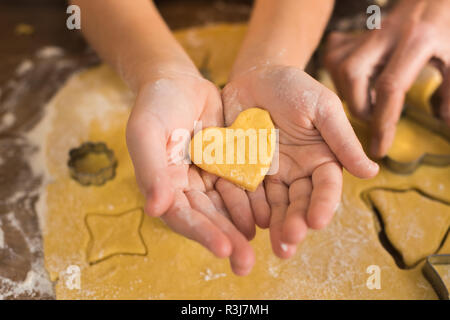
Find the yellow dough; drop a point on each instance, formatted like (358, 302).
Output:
(241, 153)
(446, 246)
(114, 234)
(423, 88)
(92, 163)
(412, 141)
(334, 263)
(414, 224)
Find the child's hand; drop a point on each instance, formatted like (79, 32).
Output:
(192, 202)
(391, 58)
(315, 140)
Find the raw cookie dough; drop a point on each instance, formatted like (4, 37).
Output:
(414, 224)
(412, 141)
(114, 235)
(446, 245)
(329, 264)
(241, 153)
(423, 88)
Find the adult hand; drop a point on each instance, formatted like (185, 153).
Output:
(415, 32)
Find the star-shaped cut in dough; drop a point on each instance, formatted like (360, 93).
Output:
(111, 235)
(414, 224)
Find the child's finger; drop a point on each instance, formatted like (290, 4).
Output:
(326, 194)
(238, 205)
(194, 225)
(242, 257)
(147, 147)
(260, 206)
(217, 201)
(331, 120)
(294, 226)
(277, 195)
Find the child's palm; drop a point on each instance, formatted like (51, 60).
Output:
(315, 138)
(192, 202)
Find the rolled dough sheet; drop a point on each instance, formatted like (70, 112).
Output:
(329, 264)
(414, 224)
(412, 141)
(424, 87)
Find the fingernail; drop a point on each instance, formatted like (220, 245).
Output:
(374, 166)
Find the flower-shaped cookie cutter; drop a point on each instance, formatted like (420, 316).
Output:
(96, 174)
(432, 274)
(432, 124)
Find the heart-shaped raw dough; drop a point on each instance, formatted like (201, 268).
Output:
(241, 153)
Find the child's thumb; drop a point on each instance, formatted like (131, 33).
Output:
(147, 148)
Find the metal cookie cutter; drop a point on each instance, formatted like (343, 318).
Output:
(432, 274)
(92, 164)
(432, 124)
